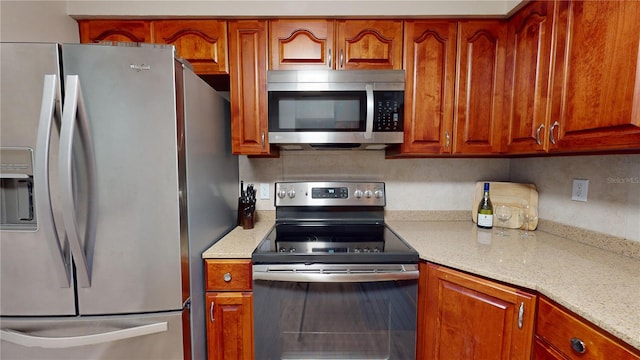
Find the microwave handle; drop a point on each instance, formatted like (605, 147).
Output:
(368, 134)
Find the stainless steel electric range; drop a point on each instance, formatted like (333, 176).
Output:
(332, 280)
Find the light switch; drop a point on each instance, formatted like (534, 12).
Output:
(264, 191)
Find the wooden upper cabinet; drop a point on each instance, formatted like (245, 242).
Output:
(457, 311)
(480, 87)
(203, 43)
(429, 58)
(369, 44)
(248, 86)
(596, 83)
(335, 44)
(527, 78)
(297, 44)
(95, 31)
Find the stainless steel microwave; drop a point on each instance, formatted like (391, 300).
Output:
(335, 109)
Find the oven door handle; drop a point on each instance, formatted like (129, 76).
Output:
(335, 273)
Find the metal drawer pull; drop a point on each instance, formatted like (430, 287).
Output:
(448, 139)
(521, 315)
(226, 277)
(213, 304)
(538, 141)
(578, 346)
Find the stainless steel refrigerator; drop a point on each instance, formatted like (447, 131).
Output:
(116, 174)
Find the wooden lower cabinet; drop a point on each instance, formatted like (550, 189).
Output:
(461, 316)
(230, 325)
(229, 309)
(560, 334)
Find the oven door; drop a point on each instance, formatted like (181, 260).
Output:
(332, 311)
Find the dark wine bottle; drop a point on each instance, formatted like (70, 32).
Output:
(485, 210)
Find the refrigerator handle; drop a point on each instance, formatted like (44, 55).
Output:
(73, 110)
(26, 340)
(62, 268)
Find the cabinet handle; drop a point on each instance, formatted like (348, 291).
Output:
(447, 137)
(551, 137)
(538, 141)
(578, 346)
(341, 58)
(329, 62)
(262, 139)
(211, 307)
(226, 277)
(521, 315)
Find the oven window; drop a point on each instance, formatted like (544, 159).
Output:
(317, 111)
(370, 320)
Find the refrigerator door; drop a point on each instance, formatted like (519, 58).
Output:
(35, 266)
(113, 337)
(132, 253)
(212, 187)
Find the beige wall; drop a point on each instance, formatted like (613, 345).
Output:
(37, 21)
(613, 205)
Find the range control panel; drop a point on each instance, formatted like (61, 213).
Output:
(323, 193)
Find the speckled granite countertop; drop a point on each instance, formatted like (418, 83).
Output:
(599, 285)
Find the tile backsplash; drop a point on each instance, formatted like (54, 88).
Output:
(613, 205)
(613, 200)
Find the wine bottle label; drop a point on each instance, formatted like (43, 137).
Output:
(485, 220)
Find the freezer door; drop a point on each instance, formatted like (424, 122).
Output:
(128, 105)
(125, 337)
(35, 268)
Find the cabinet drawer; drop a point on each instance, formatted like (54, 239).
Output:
(228, 275)
(558, 327)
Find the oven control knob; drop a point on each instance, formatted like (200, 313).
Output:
(283, 250)
(292, 250)
(282, 193)
(291, 193)
(368, 194)
(378, 193)
(357, 193)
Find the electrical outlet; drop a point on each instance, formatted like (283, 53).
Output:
(264, 191)
(580, 190)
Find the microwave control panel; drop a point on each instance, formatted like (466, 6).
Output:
(388, 107)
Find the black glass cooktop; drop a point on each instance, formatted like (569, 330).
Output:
(310, 242)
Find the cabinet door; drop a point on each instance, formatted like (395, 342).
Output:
(480, 87)
(466, 317)
(248, 86)
(93, 31)
(369, 44)
(201, 42)
(429, 56)
(596, 99)
(229, 325)
(527, 78)
(301, 44)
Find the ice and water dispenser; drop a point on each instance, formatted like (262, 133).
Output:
(16, 189)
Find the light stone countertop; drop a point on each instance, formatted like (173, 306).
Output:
(599, 285)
